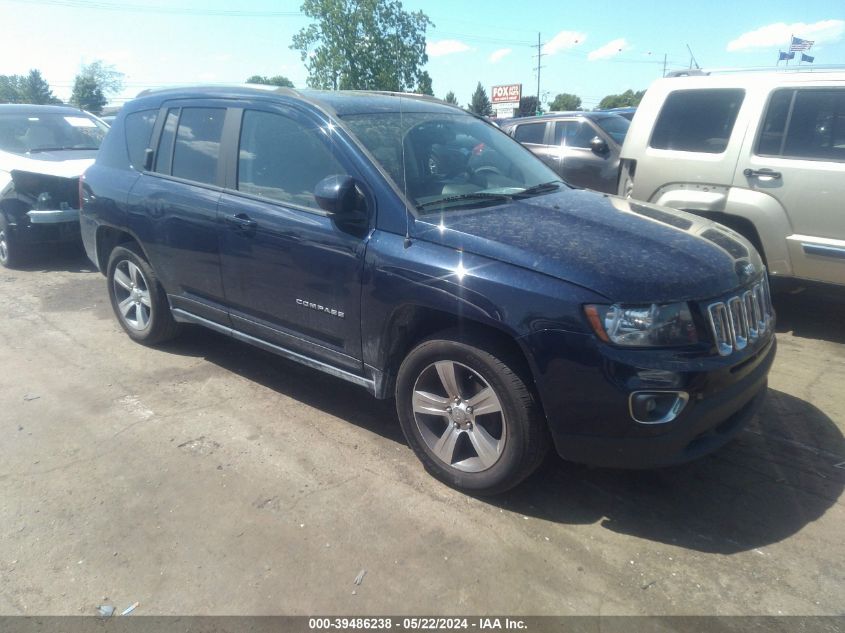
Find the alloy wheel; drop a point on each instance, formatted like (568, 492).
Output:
(459, 416)
(132, 292)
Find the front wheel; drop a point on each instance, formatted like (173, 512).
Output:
(468, 414)
(9, 256)
(137, 298)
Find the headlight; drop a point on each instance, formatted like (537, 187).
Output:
(643, 326)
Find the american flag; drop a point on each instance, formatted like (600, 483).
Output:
(800, 45)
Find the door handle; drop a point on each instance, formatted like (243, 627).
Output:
(762, 174)
(241, 222)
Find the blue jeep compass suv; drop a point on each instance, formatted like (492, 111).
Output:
(413, 249)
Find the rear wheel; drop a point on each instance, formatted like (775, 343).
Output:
(138, 300)
(469, 415)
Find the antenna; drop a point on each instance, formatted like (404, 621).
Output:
(692, 59)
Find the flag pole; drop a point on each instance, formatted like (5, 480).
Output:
(789, 48)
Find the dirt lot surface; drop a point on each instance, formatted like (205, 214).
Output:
(207, 477)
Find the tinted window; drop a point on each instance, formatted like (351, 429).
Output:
(614, 126)
(281, 159)
(771, 133)
(164, 153)
(574, 133)
(530, 133)
(138, 128)
(697, 120)
(198, 144)
(817, 125)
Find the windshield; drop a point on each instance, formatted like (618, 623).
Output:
(24, 133)
(615, 126)
(450, 161)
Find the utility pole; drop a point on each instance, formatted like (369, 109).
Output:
(664, 64)
(540, 54)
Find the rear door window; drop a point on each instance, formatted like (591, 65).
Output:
(805, 124)
(283, 159)
(697, 120)
(573, 133)
(530, 133)
(164, 153)
(197, 149)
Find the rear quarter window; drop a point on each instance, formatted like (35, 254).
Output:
(138, 128)
(530, 133)
(697, 120)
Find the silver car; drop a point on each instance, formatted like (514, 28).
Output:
(582, 147)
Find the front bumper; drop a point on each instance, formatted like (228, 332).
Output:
(52, 226)
(585, 397)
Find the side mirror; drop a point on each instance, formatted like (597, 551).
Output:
(339, 196)
(599, 145)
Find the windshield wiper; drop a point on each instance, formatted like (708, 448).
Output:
(543, 187)
(475, 195)
(36, 150)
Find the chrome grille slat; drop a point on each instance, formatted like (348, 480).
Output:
(741, 319)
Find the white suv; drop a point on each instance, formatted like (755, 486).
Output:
(760, 152)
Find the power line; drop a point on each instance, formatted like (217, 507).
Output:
(143, 8)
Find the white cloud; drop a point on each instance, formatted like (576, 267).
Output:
(498, 55)
(564, 40)
(445, 47)
(612, 48)
(777, 35)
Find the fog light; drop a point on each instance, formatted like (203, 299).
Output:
(657, 407)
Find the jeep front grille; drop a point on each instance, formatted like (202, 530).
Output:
(741, 319)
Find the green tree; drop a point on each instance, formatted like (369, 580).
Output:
(627, 99)
(565, 101)
(93, 85)
(450, 98)
(529, 106)
(424, 84)
(278, 80)
(362, 44)
(480, 103)
(29, 88)
(87, 94)
(10, 91)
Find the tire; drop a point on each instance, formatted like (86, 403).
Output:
(9, 247)
(480, 453)
(137, 298)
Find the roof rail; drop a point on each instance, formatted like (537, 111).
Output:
(698, 72)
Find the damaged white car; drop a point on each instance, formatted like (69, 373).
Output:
(43, 152)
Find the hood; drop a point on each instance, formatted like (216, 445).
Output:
(628, 251)
(62, 163)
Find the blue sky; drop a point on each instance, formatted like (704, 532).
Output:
(591, 48)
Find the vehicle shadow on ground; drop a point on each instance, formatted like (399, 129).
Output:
(69, 258)
(812, 312)
(779, 475)
(330, 395)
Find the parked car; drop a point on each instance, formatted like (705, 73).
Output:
(581, 147)
(410, 248)
(43, 151)
(760, 152)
